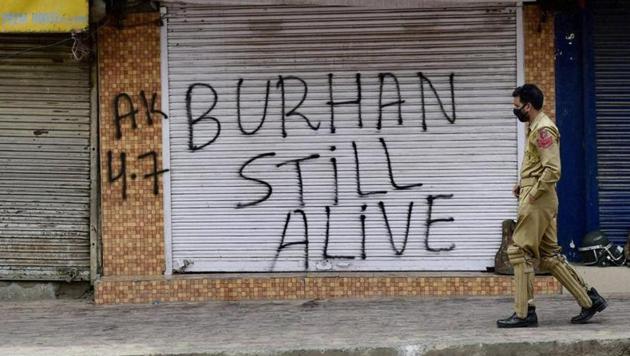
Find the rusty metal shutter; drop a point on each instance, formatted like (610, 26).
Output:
(612, 90)
(466, 163)
(44, 160)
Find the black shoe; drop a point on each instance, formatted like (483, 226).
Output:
(515, 322)
(599, 304)
(531, 314)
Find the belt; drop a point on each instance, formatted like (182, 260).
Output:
(526, 182)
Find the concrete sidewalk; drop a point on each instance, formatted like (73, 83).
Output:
(421, 326)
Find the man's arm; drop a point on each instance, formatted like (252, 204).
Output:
(549, 153)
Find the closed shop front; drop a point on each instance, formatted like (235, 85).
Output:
(316, 138)
(612, 96)
(44, 160)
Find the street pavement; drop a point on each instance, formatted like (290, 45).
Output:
(409, 326)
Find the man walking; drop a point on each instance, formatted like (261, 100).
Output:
(535, 235)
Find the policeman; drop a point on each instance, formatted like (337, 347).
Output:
(535, 235)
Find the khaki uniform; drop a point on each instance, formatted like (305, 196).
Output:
(535, 236)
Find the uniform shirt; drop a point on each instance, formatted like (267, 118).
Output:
(541, 162)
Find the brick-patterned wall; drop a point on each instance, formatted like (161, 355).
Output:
(540, 53)
(199, 288)
(132, 228)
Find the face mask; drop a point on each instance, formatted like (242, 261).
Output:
(522, 117)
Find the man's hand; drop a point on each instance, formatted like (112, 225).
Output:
(516, 190)
(531, 199)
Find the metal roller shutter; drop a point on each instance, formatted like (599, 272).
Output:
(612, 75)
(44, 160)
(465, 159)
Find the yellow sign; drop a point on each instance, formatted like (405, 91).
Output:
(43, 15)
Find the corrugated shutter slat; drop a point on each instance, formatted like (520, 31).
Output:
(474, 159)
(44, 160)
(612, 88)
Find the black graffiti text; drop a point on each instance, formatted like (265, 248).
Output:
(132, 111)
(205, 95)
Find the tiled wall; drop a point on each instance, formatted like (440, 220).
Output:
(206, 288)
(132, 229)
(540, 51)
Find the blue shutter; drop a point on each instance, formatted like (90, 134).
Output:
(612, 88)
